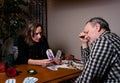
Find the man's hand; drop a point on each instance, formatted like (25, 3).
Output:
(84, 40)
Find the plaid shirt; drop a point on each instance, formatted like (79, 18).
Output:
(102, 61)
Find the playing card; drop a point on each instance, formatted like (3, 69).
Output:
(58, 54)
(50, 54)
(30, 80)
(10, 81)
(52, 68)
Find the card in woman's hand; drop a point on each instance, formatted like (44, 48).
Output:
(58, 54)
(50, 54)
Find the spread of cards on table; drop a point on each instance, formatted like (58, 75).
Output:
(26, 80)
(70, 64)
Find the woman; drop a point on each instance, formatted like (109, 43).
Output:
(32, 47)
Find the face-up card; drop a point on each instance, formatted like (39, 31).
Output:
(58, 54)
(30, 80)
(10, 81)
(52, 68)
(50, 54)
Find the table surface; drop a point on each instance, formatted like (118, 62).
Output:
(44, 74)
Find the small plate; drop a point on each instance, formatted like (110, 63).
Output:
(32, 72)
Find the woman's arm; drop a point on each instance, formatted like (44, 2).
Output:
(43, 62)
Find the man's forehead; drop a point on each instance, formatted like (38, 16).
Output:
(87, 27)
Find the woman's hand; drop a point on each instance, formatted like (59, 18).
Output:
(45, 62)
(57, 60)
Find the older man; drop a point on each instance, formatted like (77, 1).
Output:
(102, 60)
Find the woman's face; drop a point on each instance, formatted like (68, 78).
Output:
(37, 34)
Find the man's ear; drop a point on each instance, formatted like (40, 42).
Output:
(98, 28)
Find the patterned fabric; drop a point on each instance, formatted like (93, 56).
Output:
(103, 62)
(86, 53)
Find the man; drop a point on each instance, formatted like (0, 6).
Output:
(102, 60)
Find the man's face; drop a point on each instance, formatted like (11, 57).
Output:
(90, 32)
(37, 34)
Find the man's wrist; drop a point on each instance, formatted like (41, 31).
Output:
(85, 45)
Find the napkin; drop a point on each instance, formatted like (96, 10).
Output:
(10, 81)
(30, 80)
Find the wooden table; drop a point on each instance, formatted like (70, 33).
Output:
(44, 75)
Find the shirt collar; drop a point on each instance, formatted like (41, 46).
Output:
(104, 33)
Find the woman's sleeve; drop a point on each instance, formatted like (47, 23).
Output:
(45, 47)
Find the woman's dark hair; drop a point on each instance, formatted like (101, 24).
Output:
(101, 21)
(30, 31)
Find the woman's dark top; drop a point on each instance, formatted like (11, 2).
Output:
(36, 51)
